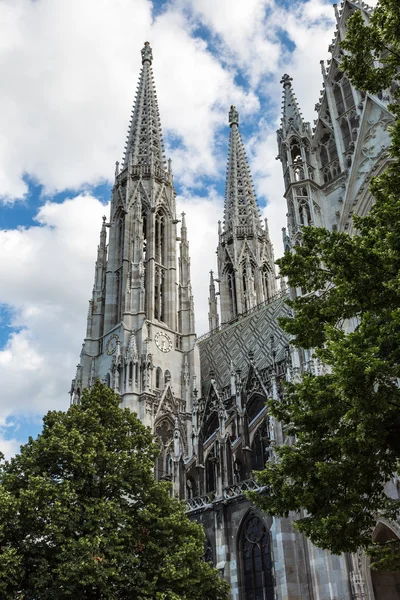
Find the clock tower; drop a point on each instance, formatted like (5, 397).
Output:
(140, 337)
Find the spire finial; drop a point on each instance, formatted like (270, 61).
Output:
(144, 144)
(286, 80)
(147, 53)
(233, 116)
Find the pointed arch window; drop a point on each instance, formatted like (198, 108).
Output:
(266, 274)
(158, 378)
(344, 98)
(159, 301)
(328, 157)
(190, 488)
(297, 160)
(210, 465)
(256, 560)
(160, 238)
(260, 448)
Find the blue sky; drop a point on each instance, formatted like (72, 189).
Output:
(69, 72)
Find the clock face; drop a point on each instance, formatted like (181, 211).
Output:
(163, 341)
(111, 345)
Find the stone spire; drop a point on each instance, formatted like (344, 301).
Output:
(246, 269)
(144, 144)
(298, 164)
(240, 200)
(291, 114)
(141, 316)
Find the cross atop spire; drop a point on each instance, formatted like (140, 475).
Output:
(291, 115)
(144, 144)
(240, 200)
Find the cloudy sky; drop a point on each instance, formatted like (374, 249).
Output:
(68, 74)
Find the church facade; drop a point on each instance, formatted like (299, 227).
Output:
(205, 397)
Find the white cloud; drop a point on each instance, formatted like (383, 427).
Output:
(47, 273)
(242, 29)
(69, 71)
(202, 216)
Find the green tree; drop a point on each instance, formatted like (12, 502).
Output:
(82, 517)
(346, 424)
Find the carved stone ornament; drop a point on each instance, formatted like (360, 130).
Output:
(147, 53)
(233, 116)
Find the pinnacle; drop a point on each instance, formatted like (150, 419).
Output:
(147, 53)
(291, 114)
(233, 116)
(144, 145)
(240, 201)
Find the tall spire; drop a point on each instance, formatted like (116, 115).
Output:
(246, 270)
(240, 200)
(144, 145)
(291, 114)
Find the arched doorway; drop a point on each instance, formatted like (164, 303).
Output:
(386, 584)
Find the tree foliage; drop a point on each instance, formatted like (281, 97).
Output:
(345, 424)
(82, 517)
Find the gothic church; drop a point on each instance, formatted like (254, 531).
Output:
(205, 397)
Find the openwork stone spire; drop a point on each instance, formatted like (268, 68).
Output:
(144, 144)
(291, 114)
(240, 200)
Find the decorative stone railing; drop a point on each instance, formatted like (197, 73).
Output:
(237, 489)
(232, 491)
(200, 502)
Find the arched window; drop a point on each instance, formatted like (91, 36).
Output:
(305, 212)
(158, 378)
(108, 380)
(266, 279)
(255, 406)
(167, 376)
(256, 562)
(190, 488)
(160, 238)
(295, 150)
(211, 426)
(237, 471)
(210, 472)
(260, 448)
(130, 371)
(159, 303)
(386, 584)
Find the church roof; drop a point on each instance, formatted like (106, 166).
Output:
(240, 200)
(144, 143)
